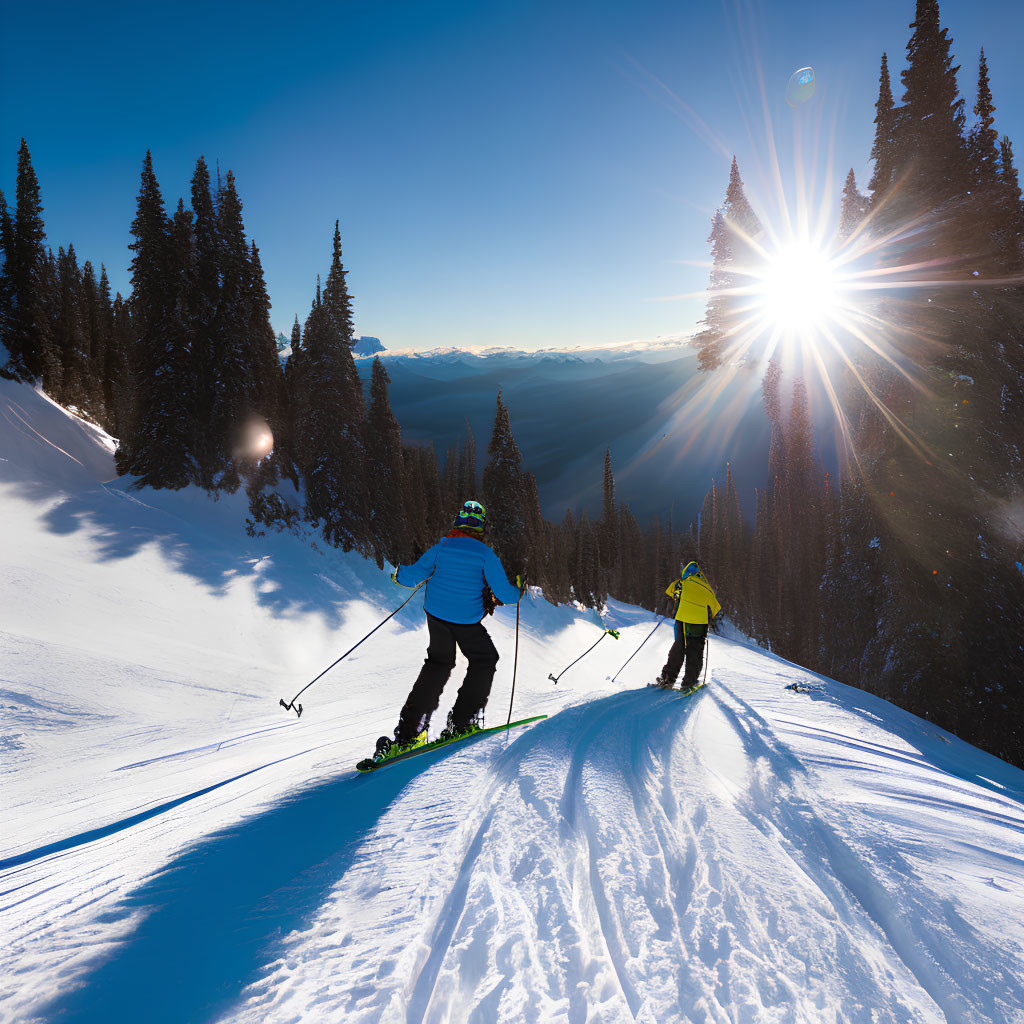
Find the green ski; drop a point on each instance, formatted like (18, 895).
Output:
(674, 691)
(369, 765)
(692, 689)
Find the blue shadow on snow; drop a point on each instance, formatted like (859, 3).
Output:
(215, 913)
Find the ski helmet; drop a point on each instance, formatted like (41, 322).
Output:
(690, 569)
(472, 516)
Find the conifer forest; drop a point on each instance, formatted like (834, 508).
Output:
(902, 573)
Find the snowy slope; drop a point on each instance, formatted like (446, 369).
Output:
(175, 847)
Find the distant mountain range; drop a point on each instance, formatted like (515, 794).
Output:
(671, 428)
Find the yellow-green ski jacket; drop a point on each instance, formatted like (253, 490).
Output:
(693, 597)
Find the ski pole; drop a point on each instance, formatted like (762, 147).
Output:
(297, 708)
(515, 662)
(637, 651)
(614, 633)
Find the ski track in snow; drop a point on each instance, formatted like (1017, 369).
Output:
(641, 858)
(177, 849)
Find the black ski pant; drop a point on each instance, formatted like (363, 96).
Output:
(475, 643)
(688, 649)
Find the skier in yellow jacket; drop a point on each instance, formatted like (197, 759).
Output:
(695, 606)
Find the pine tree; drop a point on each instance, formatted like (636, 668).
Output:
(267, 397)
(6, 285)
(739, 214)
(557, 578)
(503, 493)
(468, 481)
(585, 564)
(829, 612)
(991, 235)
(337, 300)
(204, 325)
(234, 383)
(46, 320)
(805, 545)
(983, 139)
(773, 410)
(633, 587)
(107, 356)
(295, 373)
(26, 262)
(430, 492)
(65, 369)
(735, 230)
(293, 368)
(1013, 202)
(121, 371)
(450, 481)
(730, 567)
(854, 207)
(1007, 170)
(157, 450)
(609, 530)
(535, 565)
(385, 473)
(328, 404)
(929, 130)
(92, 316)
(266, 404)
(772, 535)
(707, 522)
(883, 149)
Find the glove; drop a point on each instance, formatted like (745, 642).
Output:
(394, 577)
(521, 583)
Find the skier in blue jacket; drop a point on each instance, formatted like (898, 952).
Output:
(457, 571)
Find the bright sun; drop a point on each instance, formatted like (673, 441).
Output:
(797, 291)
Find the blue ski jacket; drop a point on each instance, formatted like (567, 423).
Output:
(460, 566)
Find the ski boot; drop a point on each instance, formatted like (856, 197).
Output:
(388, 747)
(664, 684)
(456, 730)
(689, 686)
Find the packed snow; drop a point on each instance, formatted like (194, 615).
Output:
(177, 847)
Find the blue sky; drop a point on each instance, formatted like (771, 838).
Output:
(510, 173)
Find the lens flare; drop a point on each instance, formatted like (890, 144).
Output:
(801, 87)
(255, 440)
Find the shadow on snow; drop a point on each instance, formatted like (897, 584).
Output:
(213, 916)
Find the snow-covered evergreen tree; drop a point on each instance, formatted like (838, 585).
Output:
(503, 493)
(385, 475)
(157, 450)
(203, 303)
(328, 414)
(883, 149)
(929, 130)
(6, 284)
(25, 259)
(735, 230)
(609, 531)
(234, 370)
(65, 366)
(853, 208)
